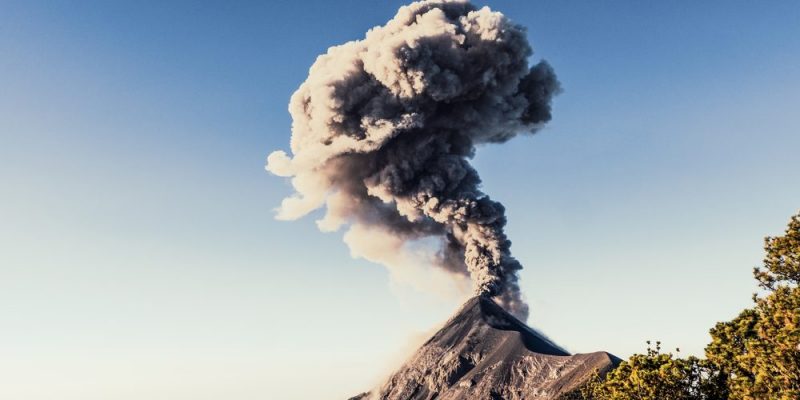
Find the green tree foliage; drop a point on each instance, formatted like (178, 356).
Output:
(782, 261)
(657, 376)
(755, 356)
(759, 351)
(728, 350)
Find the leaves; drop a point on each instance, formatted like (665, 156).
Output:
(782, 260)
(656, 376)
(755, 356)
(759, 350)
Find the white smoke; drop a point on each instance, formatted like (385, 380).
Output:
(383, 128)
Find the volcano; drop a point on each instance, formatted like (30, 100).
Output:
(483, 352)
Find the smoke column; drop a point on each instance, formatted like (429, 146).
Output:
(383, 130)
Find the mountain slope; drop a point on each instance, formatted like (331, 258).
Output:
(485, 353)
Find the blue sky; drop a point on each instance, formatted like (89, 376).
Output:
(139, 257)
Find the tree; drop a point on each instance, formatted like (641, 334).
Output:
(782, 261)
(759, 351)
(728, 351)
(657, 376)
(755, 356)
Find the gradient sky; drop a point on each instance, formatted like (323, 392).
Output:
(139, 257)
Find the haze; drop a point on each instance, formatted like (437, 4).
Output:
(140, 257)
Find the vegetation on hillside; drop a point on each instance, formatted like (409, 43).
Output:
(755, 356)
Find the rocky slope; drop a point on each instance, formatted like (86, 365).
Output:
(485, 353)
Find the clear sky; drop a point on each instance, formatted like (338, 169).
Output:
(139, 257)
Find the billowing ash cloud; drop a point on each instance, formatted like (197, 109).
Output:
(384, 127)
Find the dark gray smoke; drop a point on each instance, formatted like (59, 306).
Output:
(384, 127)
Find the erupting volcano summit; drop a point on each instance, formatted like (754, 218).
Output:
(485, 353)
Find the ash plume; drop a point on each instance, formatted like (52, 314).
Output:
(383, 130)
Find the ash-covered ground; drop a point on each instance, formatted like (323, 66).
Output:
(485, 353)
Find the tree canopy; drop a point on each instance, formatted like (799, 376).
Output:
(755, 356)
